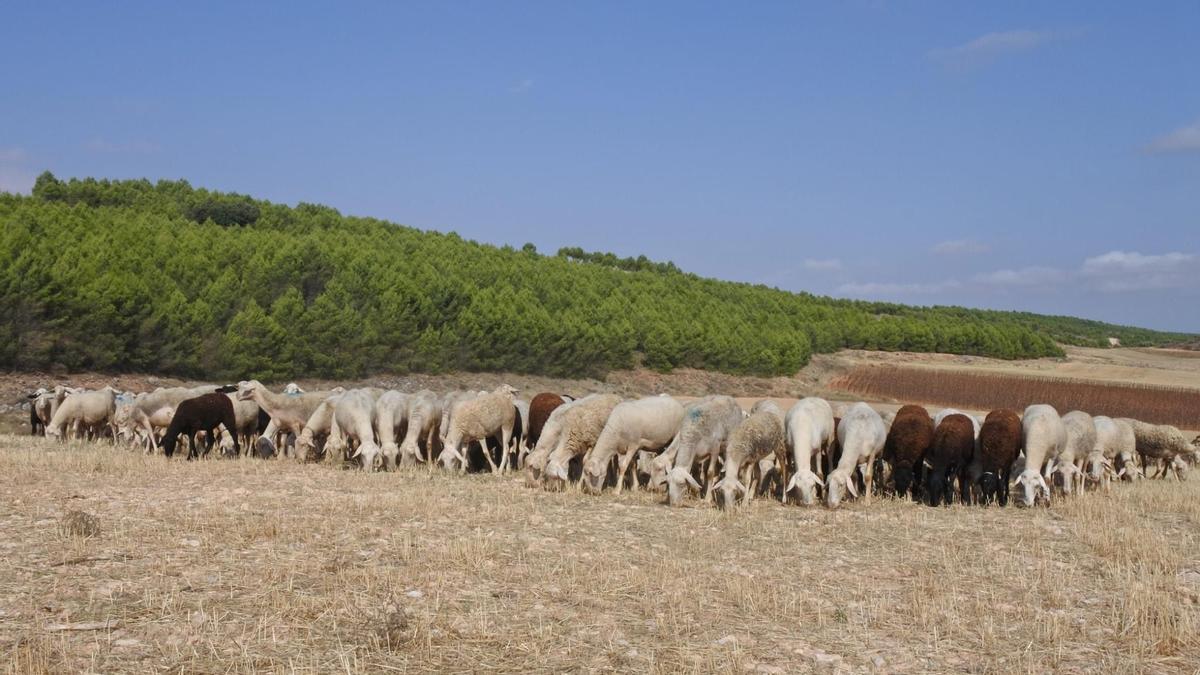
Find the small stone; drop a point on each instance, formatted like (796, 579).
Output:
(199, 618)
(823, 658)
(632, 654)
(126, 642)
(878, 661)
(190, 542)
(415, 594)
(727, 640)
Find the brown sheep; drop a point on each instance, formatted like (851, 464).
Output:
(1000, 440)
(949, 457)
(539, 411)
(907, 442)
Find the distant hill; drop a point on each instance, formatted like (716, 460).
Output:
(164, 277)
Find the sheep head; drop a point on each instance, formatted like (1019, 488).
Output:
(678, 481)
(1033, 488)
(730, 487)
(293, 389)
(806, 482)
(246, 389)
(835, 482)
(593, 476)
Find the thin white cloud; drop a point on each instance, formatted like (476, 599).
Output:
(875, 288)
(991, 46)
(1112, 272)
(819, 265)
(1023, 277)
(960, 247)
(139, 147)
(521, 86)
(16, 180)
(1183, 139)
(1122, 271)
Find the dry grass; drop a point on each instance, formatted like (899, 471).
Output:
(251, 566)
(982, 390)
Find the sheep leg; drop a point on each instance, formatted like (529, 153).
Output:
(623, 462)
(868, 474)
(506, 437)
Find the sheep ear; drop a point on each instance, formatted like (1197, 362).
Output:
(792, 483)
(850, 487)
(1121, 472)
(927, 464)
(740, 488)
(691, 480)
(819, 481)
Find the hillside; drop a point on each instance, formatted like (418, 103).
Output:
(164, 277)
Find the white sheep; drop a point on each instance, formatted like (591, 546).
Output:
(318, 426)
(809, 433)
(535, 461)
(1081, 440)
(391, 419)
(354, 417)
(289, 411)
(1162, 444)
(861, 436)
(758, 436)
(581, 427)
(1045, 436)
(705, 427)
(83, 410)
(475, 420)
(424, 414)
(645, 424)
(1112, 438)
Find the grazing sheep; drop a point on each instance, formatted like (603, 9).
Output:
(1162, 443)
(477, 419)
(703, 431)
(758, 436)
(424, 414)
(391, 421)
(908, 440)
(1044, 437)
(976, 423)
(449, 401)
(581, 427)
(539, 411)
(645, 424)
(1081, 439)
(999, 444)
(82, 411)
(535, 462)
(354, 417)
(246, 414)
(42, 406)
(1113, 438)
(288, 411)
(319, 426)
(521, 429)
(860, 436)
(809, 433)
(949, 457)
(202, 413)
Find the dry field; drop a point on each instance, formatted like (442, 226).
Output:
(988, 390)
(252, 566)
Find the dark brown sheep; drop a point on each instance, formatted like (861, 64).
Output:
(539, 411)
(907, 442)
(949, 457)
(999, 443)
(202, 413)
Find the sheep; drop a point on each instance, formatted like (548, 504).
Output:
(1113, 438)
(757, 437)
(581, 427)
(946, 412)
(288, 411)
(246, 415)
(1081, 439)
(551, 432)
(449, 401)
(861, 436)
(705, 427)
(522, 421)
(354, 415)
(1000, 440)
(476, 419)
(1044, 436)
(44, 403)
(540, 408)
(82, 409)
(1161, 442)
(317, 427)
(424, 414)
(647, 423)
(949, 457)
(809, 433)
(202, 413)
(908, 439)
(391, 418)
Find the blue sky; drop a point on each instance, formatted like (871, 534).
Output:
(1024, 155)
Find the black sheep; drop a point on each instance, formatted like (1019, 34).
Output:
(949, 457)
(907, 442)
(202, 413)
(999, 443)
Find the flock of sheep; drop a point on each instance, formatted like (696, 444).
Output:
(708, 446)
